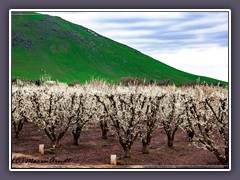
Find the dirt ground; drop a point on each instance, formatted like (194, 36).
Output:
(94, 152)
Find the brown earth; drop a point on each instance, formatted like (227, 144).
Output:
(94, 152)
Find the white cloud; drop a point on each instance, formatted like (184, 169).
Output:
(211, 62)
(116, 34)
(210, 19)
(215, 29)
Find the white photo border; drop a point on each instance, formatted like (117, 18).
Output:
(118, 10)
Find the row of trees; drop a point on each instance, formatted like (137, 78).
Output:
(129, 81)
(124, 81)
(130, 112)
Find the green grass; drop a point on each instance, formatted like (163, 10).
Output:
(69, 52)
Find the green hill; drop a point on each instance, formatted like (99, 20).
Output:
(69, 52)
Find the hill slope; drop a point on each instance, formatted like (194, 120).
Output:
(70, 52)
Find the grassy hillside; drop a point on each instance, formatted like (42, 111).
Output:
(71, 52)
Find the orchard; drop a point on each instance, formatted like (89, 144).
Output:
(129, 112)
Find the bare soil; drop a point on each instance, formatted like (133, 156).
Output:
(94, 152)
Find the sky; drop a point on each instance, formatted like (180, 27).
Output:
(195, 42)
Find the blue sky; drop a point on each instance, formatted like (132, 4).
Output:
(196, 42)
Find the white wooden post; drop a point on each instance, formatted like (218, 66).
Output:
(41, 148)
(113, 159)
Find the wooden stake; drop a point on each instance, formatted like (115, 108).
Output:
(41, 148)
(113, 159)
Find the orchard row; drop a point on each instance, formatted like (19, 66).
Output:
(130, 112)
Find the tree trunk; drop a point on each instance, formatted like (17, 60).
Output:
(76, 136)
(225, 160)
(227, 154)
(16, 134)
(146, 141)
(127, 153)
(145, 149)
(104, 129)
(17, 128)
(190, 134)
(55, 143)
(104, 134)
(75, 140)
(170, 141)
